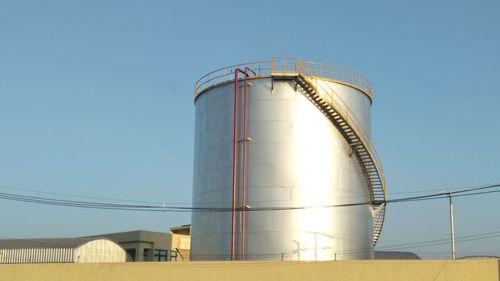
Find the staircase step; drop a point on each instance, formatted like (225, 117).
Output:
(329, 108)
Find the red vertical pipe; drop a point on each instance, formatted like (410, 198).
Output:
(244, 192)
(235, 141)
(243, 203)
(235, 134)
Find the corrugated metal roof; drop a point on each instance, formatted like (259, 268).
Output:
(44, 243)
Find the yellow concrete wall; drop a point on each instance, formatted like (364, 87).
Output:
(181, 242)
(480, 270)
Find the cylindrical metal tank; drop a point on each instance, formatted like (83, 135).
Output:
(270, 171)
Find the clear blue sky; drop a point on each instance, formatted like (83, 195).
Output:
(96, 100)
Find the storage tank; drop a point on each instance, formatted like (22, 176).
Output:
(284, 168)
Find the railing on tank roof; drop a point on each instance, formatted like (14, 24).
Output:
(285, 65)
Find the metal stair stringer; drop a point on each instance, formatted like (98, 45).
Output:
(359, 144)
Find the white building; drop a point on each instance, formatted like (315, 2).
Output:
(60, 250)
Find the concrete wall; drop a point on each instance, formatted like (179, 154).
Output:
(363, 270)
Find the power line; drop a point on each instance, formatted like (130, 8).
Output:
(157, 203)
(164, 208)
(427, 243)
(430, 190)
(446, 240)
(75, 195)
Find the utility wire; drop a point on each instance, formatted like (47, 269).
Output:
(164, 208)
(481, 190)
(430, 190)
(157, 203)
(75, 195)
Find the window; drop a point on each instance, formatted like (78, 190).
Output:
(130, 254)
(173, 255)
(147, 255)
(161, 255)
